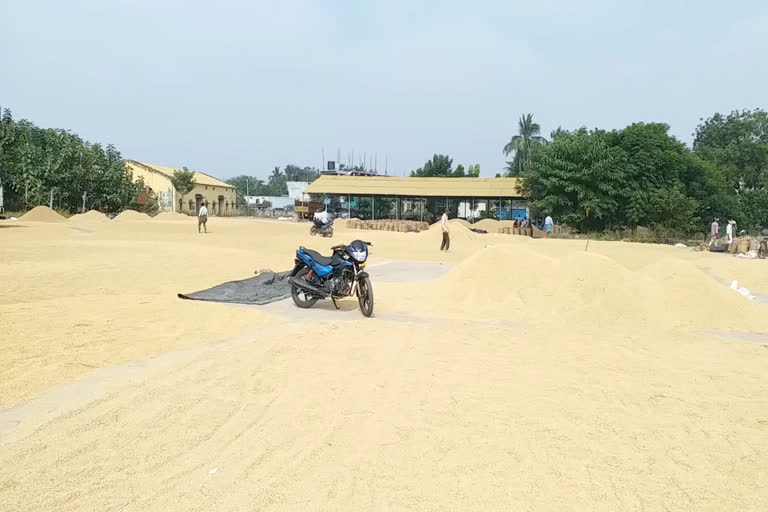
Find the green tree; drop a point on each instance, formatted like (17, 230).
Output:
(247, 186)
(737, 143)
(440, 165)
(655, 164)
(578, 179)
(277, 184)
(522, 145)
(184, 182)
(474, 171)
(459, 172)
(35, 161)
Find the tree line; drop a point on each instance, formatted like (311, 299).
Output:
(275, 185)
(595, 180)
(442, 166)
(58, 168)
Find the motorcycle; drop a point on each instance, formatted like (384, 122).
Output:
(343, 274)
(762, 249)
(322, 228)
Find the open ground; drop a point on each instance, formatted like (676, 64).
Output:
(507, 374)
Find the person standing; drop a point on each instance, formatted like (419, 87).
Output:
(549, 224)
(444, 225)
(202, 218)
(714, 231)
(729, 235)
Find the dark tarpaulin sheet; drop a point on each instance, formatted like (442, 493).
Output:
(264, 288)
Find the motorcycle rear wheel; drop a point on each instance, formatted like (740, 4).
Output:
(365, 296)
(299, 296)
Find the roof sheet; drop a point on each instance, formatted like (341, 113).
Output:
(425, 187)
(200, 177)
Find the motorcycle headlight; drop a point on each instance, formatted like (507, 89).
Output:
(360, 256)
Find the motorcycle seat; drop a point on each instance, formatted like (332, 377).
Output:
(319, 258)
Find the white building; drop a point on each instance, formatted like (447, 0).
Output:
(282, 202)
(296, 190)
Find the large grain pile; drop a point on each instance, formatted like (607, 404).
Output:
(131, 216)
(42, 214)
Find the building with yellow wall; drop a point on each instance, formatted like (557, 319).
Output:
(219, 197)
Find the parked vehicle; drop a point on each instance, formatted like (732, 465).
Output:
(342, 274)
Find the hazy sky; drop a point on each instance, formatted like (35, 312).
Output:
(229, 87)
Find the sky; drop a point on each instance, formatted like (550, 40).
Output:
(238, 87)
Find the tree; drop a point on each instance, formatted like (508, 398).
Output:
(184, 182)
(474, 171)
(738, 143)
(247, 186)
(522, 145)
(440, 165)
(577, 179)
(277, 185)
(35, 161)
(459, 172)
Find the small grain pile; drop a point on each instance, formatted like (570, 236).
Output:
(171, 216)
(132, 216)
(89, 216)
(42, 214)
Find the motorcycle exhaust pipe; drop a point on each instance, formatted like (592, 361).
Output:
(304, 285)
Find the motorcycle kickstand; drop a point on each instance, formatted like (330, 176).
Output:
(334, 303)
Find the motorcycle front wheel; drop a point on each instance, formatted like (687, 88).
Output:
(365, 296)
(299, 295)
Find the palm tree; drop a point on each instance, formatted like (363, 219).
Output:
(522, 145)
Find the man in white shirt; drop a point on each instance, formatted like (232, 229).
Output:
(322, 216)
(548, 225)
(202, 218)
(729, 235)
(444, 225)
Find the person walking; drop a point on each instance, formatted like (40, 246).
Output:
(549, 224)
(444, 225)
(714, 231)
(202, 218)
(729, 235)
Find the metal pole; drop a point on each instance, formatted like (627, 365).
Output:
(397, 208)
(373, 207)
(349, 206)
(421, 202)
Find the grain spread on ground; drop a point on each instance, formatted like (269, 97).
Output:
(532, 375)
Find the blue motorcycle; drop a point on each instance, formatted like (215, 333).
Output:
(342, 274)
